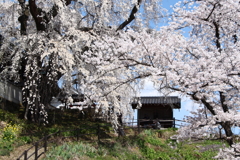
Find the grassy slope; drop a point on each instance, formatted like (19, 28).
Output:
(150, 144)
(147, 145)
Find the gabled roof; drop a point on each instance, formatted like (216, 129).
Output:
(172, 100)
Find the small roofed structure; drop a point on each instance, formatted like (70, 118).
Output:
(156, 109)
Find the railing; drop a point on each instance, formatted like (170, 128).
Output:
(135, 124)
(40, 147)
(172, 122)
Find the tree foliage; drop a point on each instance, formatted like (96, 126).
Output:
(46, 42)
(107, 48)
(203, 66)
(212, 60)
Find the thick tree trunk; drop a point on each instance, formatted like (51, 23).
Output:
(229, 134)
(225, 125)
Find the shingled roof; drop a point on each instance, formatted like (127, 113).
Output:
(173, 100)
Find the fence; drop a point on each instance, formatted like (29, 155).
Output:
(138, 122)
(40, 147)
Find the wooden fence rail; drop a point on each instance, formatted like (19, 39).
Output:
(169, 122)
(42, 144)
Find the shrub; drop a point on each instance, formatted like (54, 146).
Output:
(5, 148)
(9, 135)
(11, 132)
(26, 139)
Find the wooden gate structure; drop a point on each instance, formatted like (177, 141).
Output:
(156, 109)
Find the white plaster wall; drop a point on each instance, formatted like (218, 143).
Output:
(10, 92)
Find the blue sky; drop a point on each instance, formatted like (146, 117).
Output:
(167, 3)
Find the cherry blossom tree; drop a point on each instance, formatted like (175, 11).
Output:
(106, 47)
(204, 65)
(45, 41)
(211, 60)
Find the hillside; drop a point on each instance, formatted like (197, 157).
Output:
(18, 135)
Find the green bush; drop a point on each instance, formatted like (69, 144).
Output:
(52, 130)
(9, 117)
(148, 132)
(26, 139)
(10, 132)
(5, 148)
(4, 152)
(9, 135)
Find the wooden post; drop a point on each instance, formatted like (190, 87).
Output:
(54, 117)
(98, 132)
(77, 130)
(59, 133)
(174, 122)
(138, 123)
(132, 121)
(25, 155)
(45, 144)
(36, 150)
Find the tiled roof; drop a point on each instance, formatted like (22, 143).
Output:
(160, 100)
(173, 100)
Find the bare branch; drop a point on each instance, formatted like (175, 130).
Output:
(131, 17)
